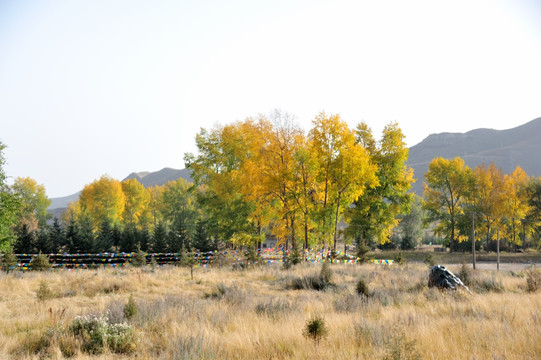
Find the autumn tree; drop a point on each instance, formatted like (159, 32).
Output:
(516, 206)
(344, 169)
(448, 186)
(102, 200)
(136, 203)
(488, 199)
(34, 201)
(375, 213)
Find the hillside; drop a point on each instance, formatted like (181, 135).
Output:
(508, 149)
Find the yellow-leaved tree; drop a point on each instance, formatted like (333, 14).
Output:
(489, 199)
(136, 204)
(102, 200)
(448, 186)
(344, 170)
(516, 206)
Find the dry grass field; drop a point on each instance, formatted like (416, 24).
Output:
(262, 313)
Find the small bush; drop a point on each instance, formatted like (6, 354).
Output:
(139, 258)
(399, 258)
(362, 250)
(44, 292)
(315, 329)
(429, 260)
(362, 288)
(466, 274)
(9, 261)
(130, 309)
(533, 280)
(95, 333)
(40, 263)
(309, 282)
(489, 285)
(326, 272)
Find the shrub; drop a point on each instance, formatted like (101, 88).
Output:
(326, 272)
(95, 333)
(44, 292)
(429, 260)
(533, 280)
(309, 282)
(399, 258)
(362, 250)
(315, 329)
(273, 307)
(9, 260)
(139, 258)
(130, 309)
(40, 263)
(362, 288)
(465, 274)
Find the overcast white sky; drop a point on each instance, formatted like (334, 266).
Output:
(109, 86)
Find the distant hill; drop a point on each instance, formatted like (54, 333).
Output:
(508, 149)
(161, 177)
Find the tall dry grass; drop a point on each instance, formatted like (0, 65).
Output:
(256, 314)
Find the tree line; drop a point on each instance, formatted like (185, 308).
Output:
(265, 176)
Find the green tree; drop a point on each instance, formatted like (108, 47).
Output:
(216, 171)
(448, 186)
(411, 227)
(57, 235)
(375, 213)
(159, 238)
(10, 206)
(104, 237)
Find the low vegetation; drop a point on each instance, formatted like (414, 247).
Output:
(369, 311)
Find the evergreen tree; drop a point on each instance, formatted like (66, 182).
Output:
(143, 239)
(87, 240)
(159, 240)
(201, 240)
(71, 239)
(57, 237)
(105, 237)
(116, 236)
(128, 241)
(43, 241)
(26, 240)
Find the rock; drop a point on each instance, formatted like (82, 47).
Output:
(442, 278)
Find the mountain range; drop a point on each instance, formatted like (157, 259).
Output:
(519, 146)
(508, 149)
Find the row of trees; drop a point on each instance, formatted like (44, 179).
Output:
(504, 206)
(265, 176)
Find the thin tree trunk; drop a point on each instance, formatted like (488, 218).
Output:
(336, 223)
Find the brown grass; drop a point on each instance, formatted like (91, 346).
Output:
(254, 314)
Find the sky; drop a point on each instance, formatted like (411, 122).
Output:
(98, 87)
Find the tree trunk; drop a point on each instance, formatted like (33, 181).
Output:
(336, 223)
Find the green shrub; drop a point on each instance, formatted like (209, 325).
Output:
(429, 260)
(95, 333)
(362, 250)
(44, 292)
(399, 258)
(130, 309)
(9, 260)
(40, 263)
(315, 329)
(362, 288)
(139, 258)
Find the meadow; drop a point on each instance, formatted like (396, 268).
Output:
(262, 313)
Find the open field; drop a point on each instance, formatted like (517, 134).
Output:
(257, 314)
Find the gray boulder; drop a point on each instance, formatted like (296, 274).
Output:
(442, 278)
